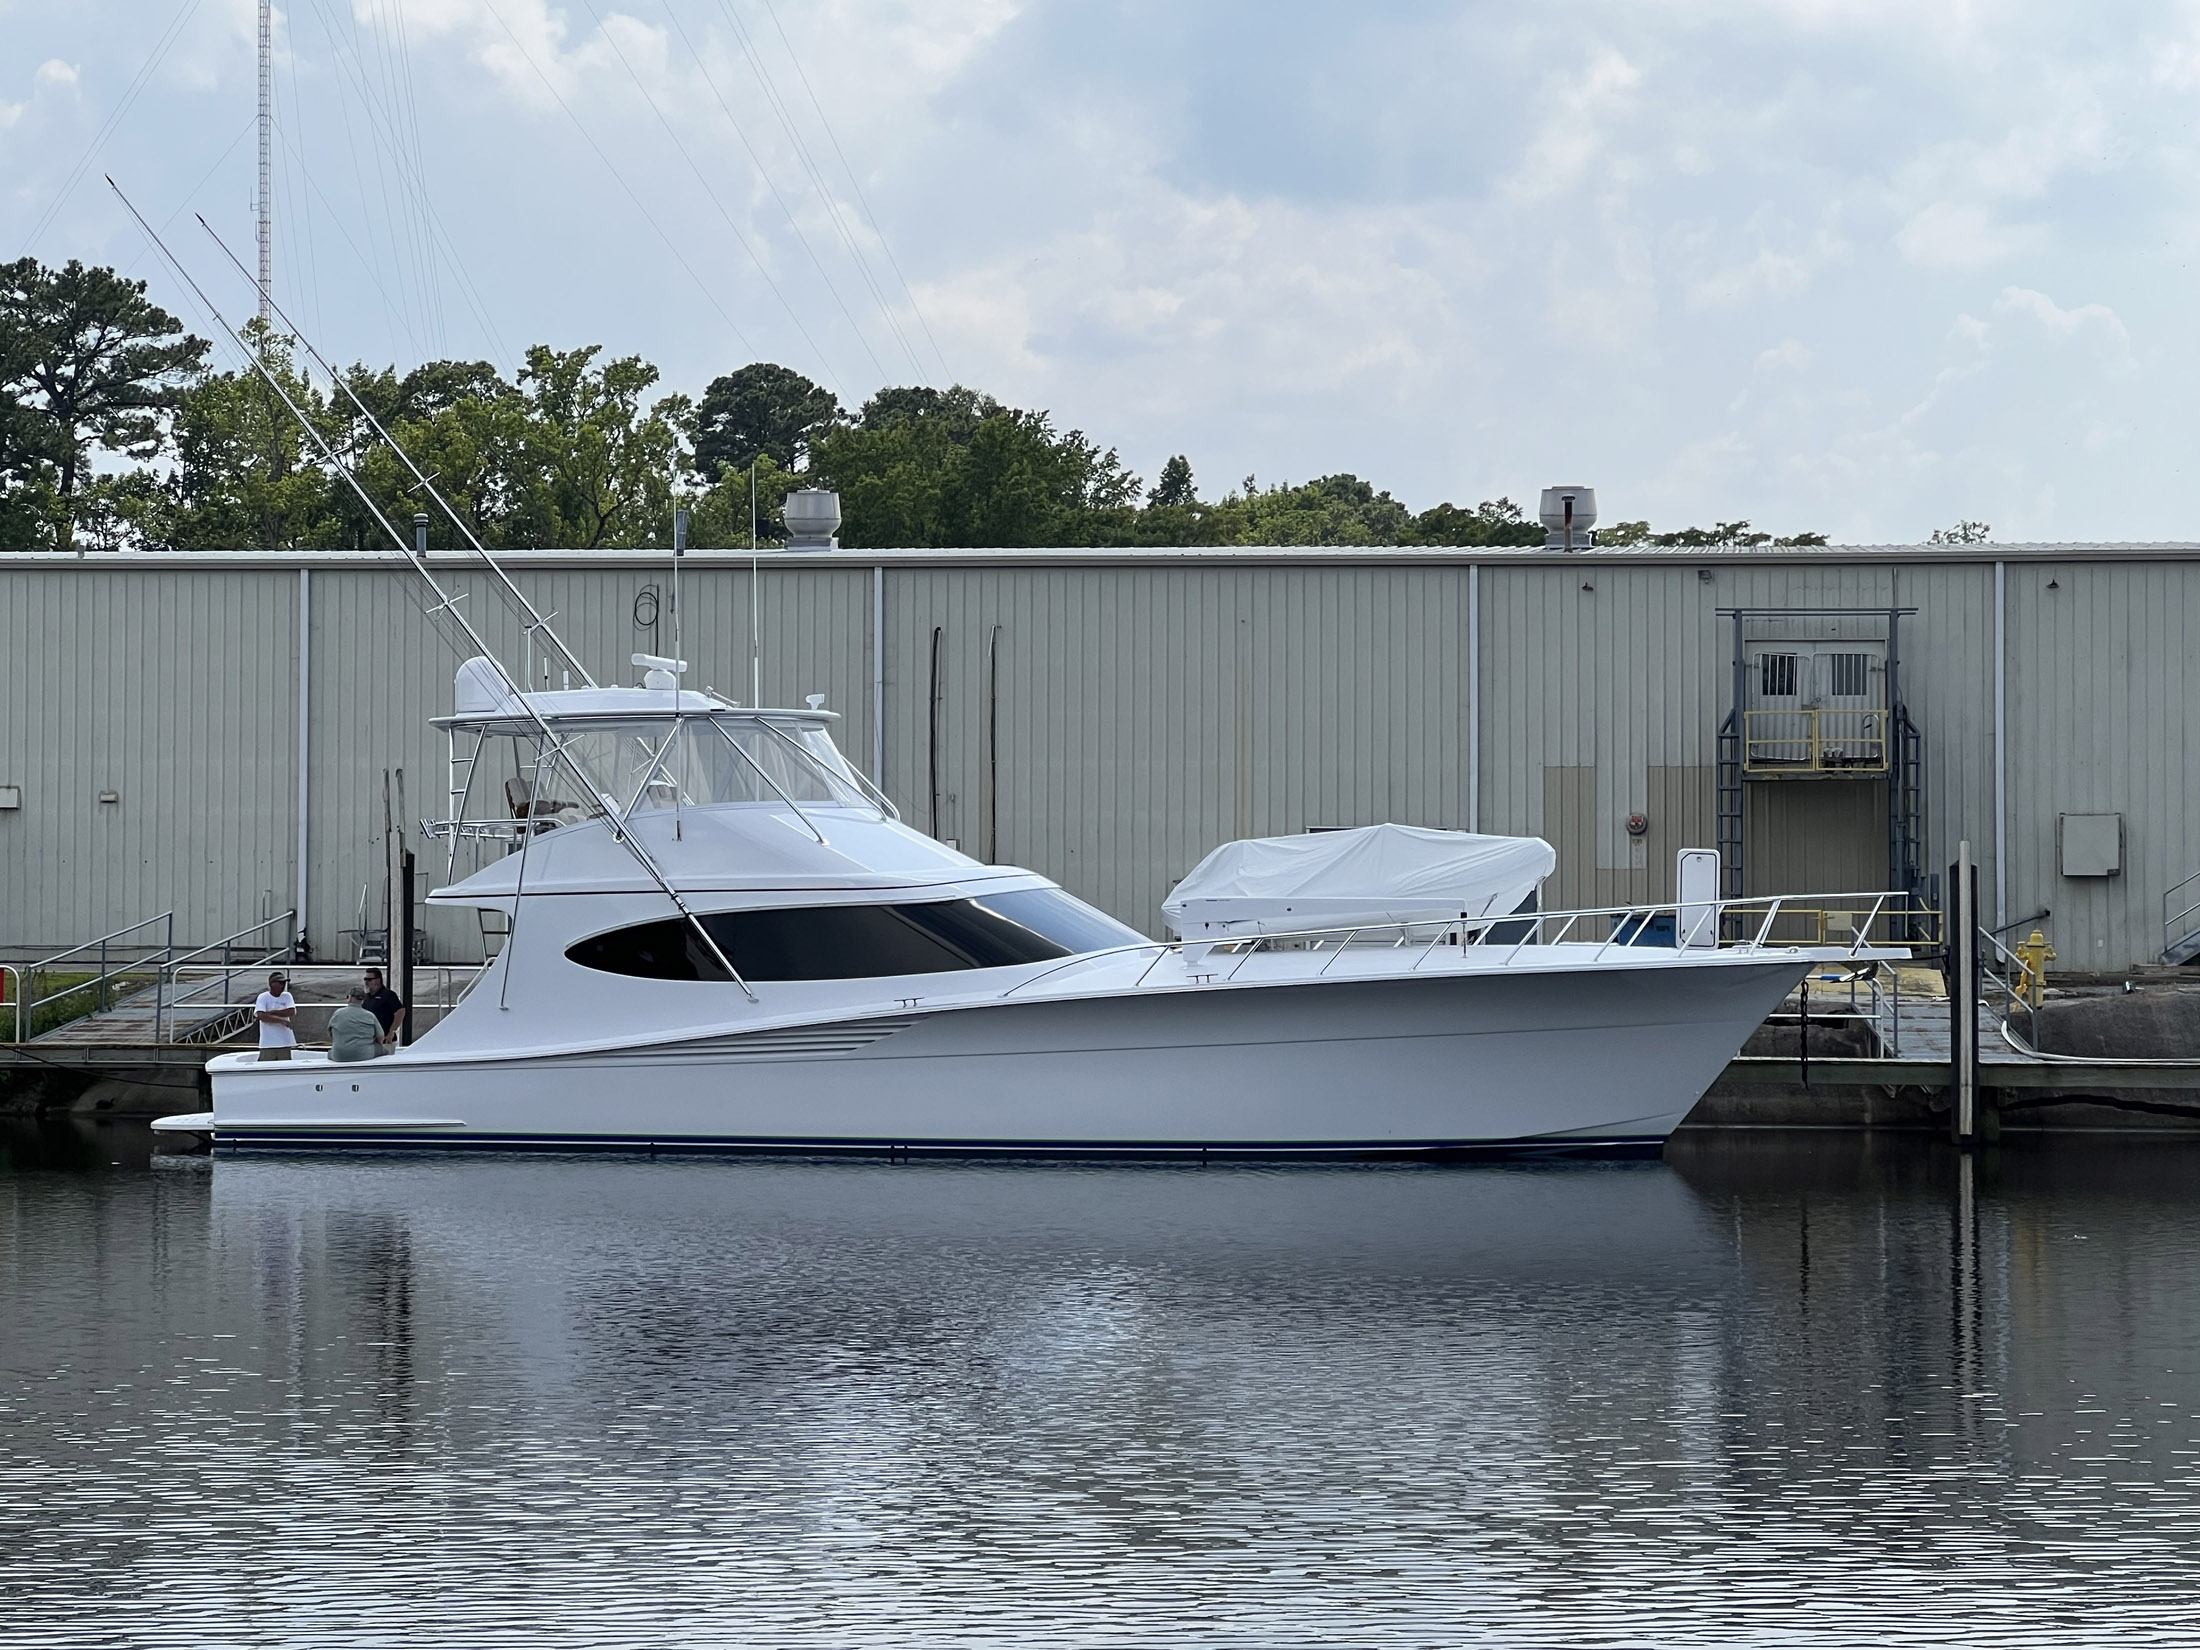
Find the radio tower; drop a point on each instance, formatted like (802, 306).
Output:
(267, 133)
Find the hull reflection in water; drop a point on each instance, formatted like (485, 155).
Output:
(1815, 1390)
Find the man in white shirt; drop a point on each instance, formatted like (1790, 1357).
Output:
(275, 1010)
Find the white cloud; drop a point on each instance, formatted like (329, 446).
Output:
(1787, 261)
(1578, 107)
(1768, 273)
(1786, 356)
(1946, 235)
(2040, 308)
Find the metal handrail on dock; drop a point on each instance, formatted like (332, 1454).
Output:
(165, 982)
(27, 1000)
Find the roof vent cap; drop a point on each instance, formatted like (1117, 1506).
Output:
(813, 517)
(1567, 515)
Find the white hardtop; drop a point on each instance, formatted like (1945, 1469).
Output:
(1370, 875)
(483, 702)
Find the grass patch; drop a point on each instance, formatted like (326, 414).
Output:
(63, 995)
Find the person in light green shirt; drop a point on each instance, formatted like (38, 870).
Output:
(353, 1031)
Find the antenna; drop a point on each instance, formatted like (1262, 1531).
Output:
(756, 654)
(426, 483)
(267, 132)
(679, 550)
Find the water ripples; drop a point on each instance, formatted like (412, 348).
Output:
(1757, 1394)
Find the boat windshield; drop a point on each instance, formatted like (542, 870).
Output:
(702, 760)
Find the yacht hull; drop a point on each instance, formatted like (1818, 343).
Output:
(1607, 1058)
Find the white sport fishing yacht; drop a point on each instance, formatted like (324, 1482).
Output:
(721, 935)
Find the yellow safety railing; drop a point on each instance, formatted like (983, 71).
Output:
(1815, 741)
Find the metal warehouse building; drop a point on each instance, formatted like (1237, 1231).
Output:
(209, 733)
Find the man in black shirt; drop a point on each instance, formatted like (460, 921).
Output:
(386, 1006)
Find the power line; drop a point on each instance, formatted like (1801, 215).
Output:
(438, 238)
(405, 109)
(764, 173)
(817, 180)
(740, 238)
(152, 62)
(619, 178)
(358, 177)
(877, 229)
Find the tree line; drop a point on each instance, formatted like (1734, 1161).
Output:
(117, 433)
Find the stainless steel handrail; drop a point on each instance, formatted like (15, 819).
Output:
(164, 995)
(103, 940)
(28, 1003)
(1247, 945)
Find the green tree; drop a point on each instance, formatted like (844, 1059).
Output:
(100, 362)
(1174, 491)
(759, 411)
(1335, 509)
(27, 495)
(955, 467)
(592, 466)
(461, 422)
(1963, 532)
(245, 473)
(1493, 521)
(1724, 535)
(719, 515)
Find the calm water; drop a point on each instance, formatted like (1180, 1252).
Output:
(1777, 1390)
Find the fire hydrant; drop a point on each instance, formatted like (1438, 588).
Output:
(2034, 954)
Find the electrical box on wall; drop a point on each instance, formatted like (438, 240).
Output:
(11, 798)
(2092, 844)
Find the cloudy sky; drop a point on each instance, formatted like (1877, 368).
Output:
(1864, 266)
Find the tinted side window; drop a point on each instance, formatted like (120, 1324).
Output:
(853, 942)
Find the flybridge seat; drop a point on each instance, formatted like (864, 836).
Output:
(1375, 875)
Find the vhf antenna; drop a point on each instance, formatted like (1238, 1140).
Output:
(535, 620)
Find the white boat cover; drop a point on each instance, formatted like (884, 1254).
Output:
(1357, 878)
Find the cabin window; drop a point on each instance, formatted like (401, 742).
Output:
(856, 942)
(1776, 675)
(653, 765)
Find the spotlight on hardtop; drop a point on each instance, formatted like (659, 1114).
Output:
(1568, 513)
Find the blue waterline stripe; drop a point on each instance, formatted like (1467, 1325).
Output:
(653, 1144)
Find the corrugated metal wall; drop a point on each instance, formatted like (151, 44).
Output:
(1105, 723)
(2102, 684)
(176, 694)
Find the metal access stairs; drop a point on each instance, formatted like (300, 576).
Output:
(2181, 922)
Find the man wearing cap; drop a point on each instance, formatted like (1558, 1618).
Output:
(274, 1011)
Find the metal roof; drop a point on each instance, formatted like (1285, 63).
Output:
(1152, 555)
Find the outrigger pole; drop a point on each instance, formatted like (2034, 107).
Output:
(446, 602)
(535, 620)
